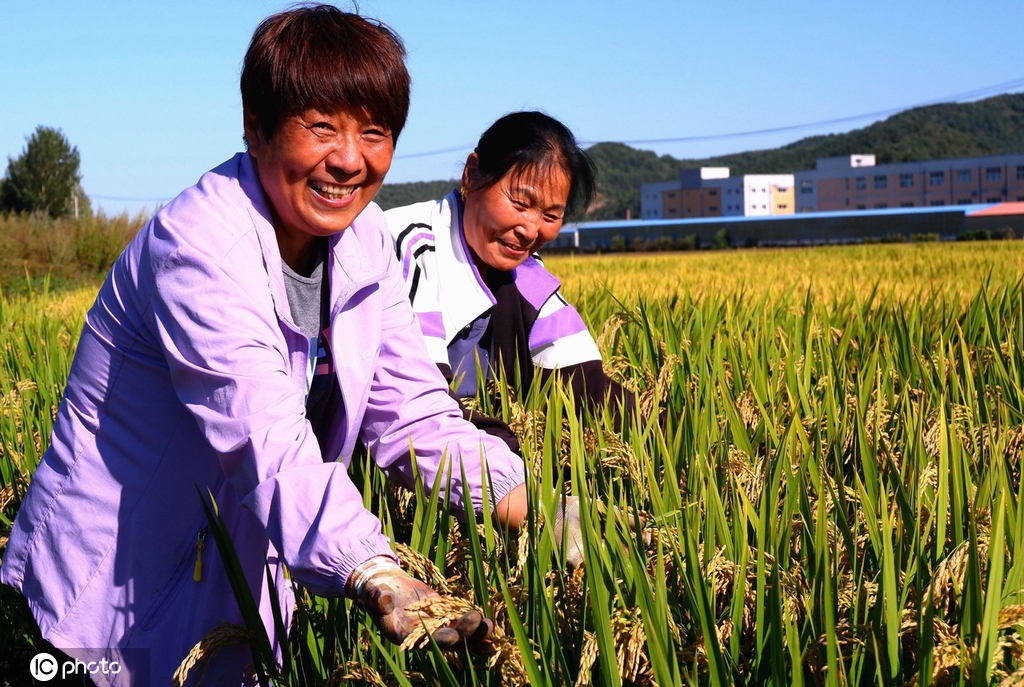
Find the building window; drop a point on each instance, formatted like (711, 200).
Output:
(881, 181)
(862, 206)
(937, 203)
(907, 204)
(1020, 172)
(881, 206)
(963, 176)
(808, 186)
(963, 201)
(994, 199)
(671, 211)
(936, 178)
(862, 183)
(906, 181)
(671, 195)
(712, 192)
(713, 208)
(993, 174)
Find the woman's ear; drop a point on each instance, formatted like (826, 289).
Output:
(253, 135)
(469, 172)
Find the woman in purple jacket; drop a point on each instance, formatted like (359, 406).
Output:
(251, 335)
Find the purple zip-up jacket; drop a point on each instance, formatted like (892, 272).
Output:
(189, 375)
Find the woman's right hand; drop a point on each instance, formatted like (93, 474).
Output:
(386, 592)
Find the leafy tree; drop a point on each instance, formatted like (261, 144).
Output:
(44, 178)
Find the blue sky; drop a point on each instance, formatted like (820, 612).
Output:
(148, 91)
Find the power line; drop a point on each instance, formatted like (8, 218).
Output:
(969, 95)
(960, 97)
(128, 198)
(994, 89)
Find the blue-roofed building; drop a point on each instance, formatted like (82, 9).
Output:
(937, 222)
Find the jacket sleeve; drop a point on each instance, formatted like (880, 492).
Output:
(559, 337)
(228, 359)
(492, 425)
(409, 405)
(561, 345)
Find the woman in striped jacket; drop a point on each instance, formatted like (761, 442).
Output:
(479, 291)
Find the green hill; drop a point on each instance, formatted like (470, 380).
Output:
(994, 126)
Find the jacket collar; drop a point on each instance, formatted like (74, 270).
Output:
(465, 295)
(352, 268)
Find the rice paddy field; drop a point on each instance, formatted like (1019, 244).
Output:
(833, 495)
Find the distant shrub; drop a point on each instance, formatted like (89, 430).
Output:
(975, 235)
(67, 251)
(925, 237)
(892, 237)
(664, 243)
(721, 239)
(688, 243)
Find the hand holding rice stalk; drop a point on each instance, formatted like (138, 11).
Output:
(406, 610)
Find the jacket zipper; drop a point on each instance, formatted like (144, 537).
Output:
(197, 572)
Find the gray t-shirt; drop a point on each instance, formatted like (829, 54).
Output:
(308, 303)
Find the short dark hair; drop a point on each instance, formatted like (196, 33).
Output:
(316, 56)
(533, 142)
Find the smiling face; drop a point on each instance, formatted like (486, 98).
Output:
(505, 222)
(319, 171)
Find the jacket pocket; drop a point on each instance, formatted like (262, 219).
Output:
(183, 573)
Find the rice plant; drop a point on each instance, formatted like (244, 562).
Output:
(833, 498)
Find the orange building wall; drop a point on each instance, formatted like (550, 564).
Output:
(832, 195)
(1015, 184)
(712, 202)
(692, 206)
(783, 200)
(671, 204)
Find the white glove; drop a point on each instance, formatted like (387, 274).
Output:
(567, 528)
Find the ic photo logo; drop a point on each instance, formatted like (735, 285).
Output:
(43, 667)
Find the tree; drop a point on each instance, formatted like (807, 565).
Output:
(44, 178)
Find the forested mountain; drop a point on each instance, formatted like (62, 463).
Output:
(397, 195)
(994, 126)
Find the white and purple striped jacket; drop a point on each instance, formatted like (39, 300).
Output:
(530, 321)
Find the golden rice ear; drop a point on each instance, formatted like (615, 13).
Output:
(434, 613)
(207, 648)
